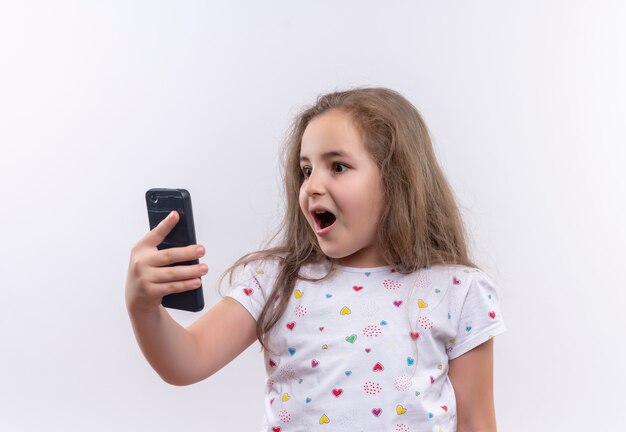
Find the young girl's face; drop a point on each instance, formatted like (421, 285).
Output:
(341, 179)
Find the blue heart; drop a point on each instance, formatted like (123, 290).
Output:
(329, 295)
(308, 400)
(292, 351)
(409, 361)
(348, 373)
(437, 290)
(468, 328)
(367, 274)
(383, 322)
(430, 415)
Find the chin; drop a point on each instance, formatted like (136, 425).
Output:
(332, 253)
(336, 255)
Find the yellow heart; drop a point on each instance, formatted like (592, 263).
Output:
(345, 311)
(490, 336)
(285, 397)
(422, 304)
(400, 409)
(439, 367)
(324, 419)
(453, 340)
(324, 346)
(298, 294)
(260, 272)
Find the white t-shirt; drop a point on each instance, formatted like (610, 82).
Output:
(348, 358)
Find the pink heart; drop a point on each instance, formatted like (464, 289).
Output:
(492, 314)
(291, 325)
(378, 367)
(357, 288)
(321, 328)
(248, 291)
(414, 336)
(456, 281)
(337, 392)
(314, 363)
(397, 303)
(376, 411)
(367, 350)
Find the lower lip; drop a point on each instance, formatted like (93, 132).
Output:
(323, 231)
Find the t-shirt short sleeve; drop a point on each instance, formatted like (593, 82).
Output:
(253, 285)
(478, 309)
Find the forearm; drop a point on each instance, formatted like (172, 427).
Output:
(461, 428)
(169, 348)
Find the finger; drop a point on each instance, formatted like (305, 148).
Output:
(173, 255)
(178, 273)
(174, 287)
(156, 236)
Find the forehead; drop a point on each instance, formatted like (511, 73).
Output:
(332, 133)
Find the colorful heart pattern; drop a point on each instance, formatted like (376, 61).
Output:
(378, 306)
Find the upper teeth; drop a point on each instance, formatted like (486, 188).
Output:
(320, 211)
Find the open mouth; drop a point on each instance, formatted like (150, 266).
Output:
(324, 219)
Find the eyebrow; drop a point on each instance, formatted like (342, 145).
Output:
(327, 155)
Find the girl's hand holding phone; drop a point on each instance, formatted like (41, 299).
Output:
(149, 280)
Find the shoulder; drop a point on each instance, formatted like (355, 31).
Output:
(458, 274)
(263, 264)
(453, 274)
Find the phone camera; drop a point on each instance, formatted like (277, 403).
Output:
(153, 197)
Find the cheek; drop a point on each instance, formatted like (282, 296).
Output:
(302, 201)
(372, 202)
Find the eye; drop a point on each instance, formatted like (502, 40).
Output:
(338, 168)
(338, 164)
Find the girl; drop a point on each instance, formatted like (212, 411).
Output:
(370, 313)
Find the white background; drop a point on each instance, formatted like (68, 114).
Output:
(100, 101)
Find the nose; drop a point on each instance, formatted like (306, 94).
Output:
(314, 184)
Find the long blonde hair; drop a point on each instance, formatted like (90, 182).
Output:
(420, 224)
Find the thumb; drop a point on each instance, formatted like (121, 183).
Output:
(156, 236)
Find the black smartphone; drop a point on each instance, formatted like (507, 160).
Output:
(161, 202)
